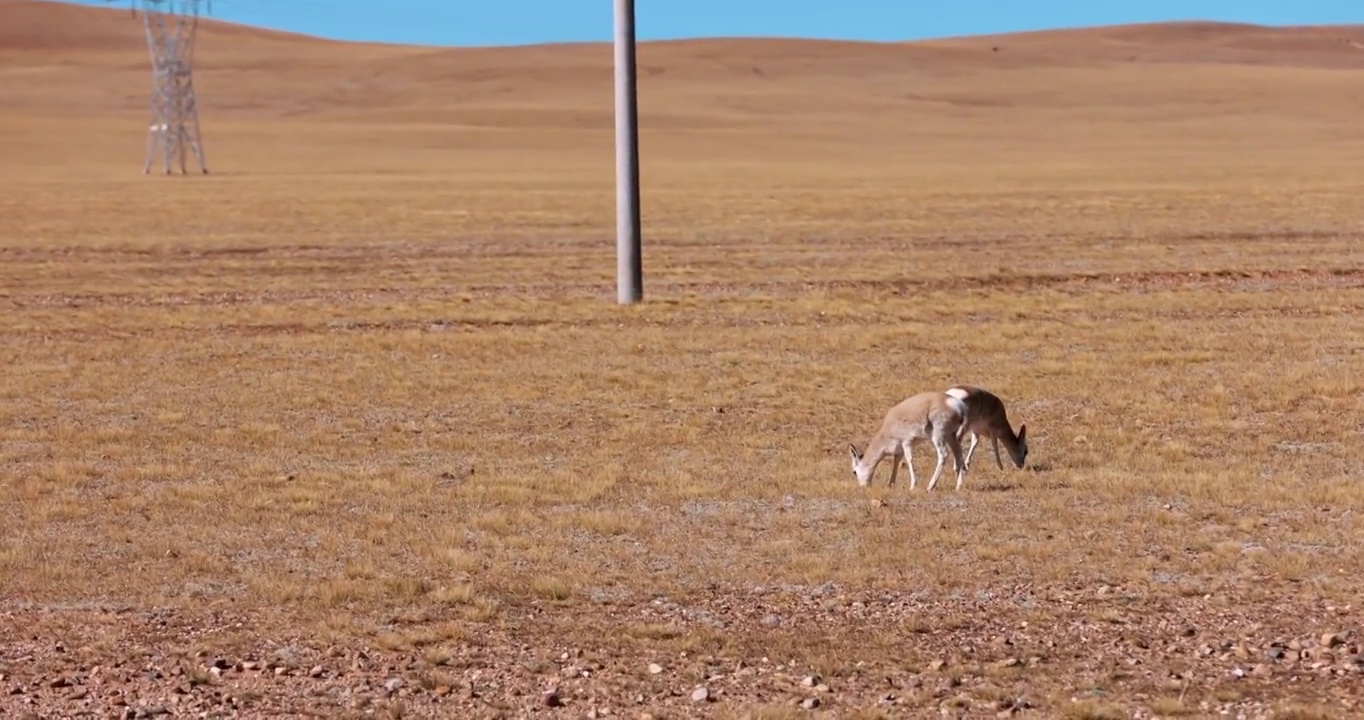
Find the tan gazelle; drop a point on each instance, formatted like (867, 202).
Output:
(934, 416)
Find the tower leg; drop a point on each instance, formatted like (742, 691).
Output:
(151, 148)
(174, 130)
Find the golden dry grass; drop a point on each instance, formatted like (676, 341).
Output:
(372, 368)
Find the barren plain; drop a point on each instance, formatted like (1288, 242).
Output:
(353, 426)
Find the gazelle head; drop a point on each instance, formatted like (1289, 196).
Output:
(1019, 453)
(861, 474)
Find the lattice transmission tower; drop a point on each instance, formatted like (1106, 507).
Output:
(174, 131)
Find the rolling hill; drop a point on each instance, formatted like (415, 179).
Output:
(59, 58)
(1078, 93)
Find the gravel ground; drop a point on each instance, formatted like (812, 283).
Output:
(1096, 652)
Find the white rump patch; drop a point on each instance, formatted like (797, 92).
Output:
(957, 393)
(957, 404)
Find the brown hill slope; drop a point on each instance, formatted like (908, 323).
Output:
(40, 25)
(48, 50)
(1180, 42)
(1078, 94)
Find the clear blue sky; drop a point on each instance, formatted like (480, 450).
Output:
(515, 22)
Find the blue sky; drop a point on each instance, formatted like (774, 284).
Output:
(515, 22)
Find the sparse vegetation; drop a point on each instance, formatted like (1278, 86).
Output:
(360, 404)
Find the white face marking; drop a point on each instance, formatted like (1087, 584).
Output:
(862, 476)
(957, 393)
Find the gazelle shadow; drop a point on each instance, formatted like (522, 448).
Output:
(1007, 484)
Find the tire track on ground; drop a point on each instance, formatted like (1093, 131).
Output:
(1142, 281)
(465, 325)
(516, 245)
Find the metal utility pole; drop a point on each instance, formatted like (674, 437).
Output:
(629, 265)
(174, 131)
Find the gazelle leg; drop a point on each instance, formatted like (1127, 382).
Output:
(995, 442)
(938, 444)
(971, 449)
(894, 468)
(909, 463)
(958, 462)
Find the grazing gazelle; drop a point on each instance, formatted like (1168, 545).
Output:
(934, 416)
(985, 415)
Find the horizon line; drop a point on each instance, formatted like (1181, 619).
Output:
(119, 6)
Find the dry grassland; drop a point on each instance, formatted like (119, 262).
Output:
(360, 404)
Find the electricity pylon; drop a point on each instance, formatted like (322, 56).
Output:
(174, 129)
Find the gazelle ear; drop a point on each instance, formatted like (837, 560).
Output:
(1022, 432)
(852, 450)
